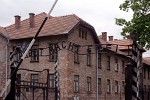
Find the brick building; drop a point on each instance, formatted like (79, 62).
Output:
(3, 54)
(75, 44)
(146, 78)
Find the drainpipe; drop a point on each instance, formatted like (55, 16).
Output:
(6, 63)
(97, 72)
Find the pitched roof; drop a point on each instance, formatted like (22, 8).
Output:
(53, 26)
(122, 44)
(146, 60)
(3, 32)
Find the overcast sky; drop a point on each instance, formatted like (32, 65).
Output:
(99, 13)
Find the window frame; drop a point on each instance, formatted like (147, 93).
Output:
(99, 61)
(89, 84)
(17, 55)
(89, 57)
(116, 65)
(123, 87)
(83, 33)
(76, 83)
(53, 53)
(99, 85)
(51, 81)
(123, 66)
(116, 86)
(76, 54)
(34, 53)
(148, 76)
(108, 63)
(34, 79)
(144, 73)
(108, 86)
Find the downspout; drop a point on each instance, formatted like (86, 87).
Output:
(97, 72)
(6, 63)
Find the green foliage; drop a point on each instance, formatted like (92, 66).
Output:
(139, 22)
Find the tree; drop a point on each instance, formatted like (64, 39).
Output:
(139, 22)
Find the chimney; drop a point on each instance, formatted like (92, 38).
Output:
(17, 21)
(110, 38)
(104, 36)
(31, 20)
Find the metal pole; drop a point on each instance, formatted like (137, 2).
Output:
(13, 85)
(97, 72)
(43, 94)
(57, 88)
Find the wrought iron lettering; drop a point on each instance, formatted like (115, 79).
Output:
(63, 44)
(57, 48)
(71, 46)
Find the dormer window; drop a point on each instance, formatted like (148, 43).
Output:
(83, 33)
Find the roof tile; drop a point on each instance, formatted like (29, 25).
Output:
(146, 60)
(3, 32)
(53, 26)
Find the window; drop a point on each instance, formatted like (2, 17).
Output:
(17, 55)
(99, 61)
(123, 67)
(76, 55)
(89, 56)
(52, 53)
(148, 73)
(34, 53)
(116, 87)
(116, 65)
(108, 86)
(123, 87)
(108, 63)
(76, 83)
(85, 35)
(99, 85)
(144, 72)
(88, 84)
(82, 33)
(34, 79)
(51, 81)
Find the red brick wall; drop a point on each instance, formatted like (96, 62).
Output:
(68, 68)
(3, 45)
